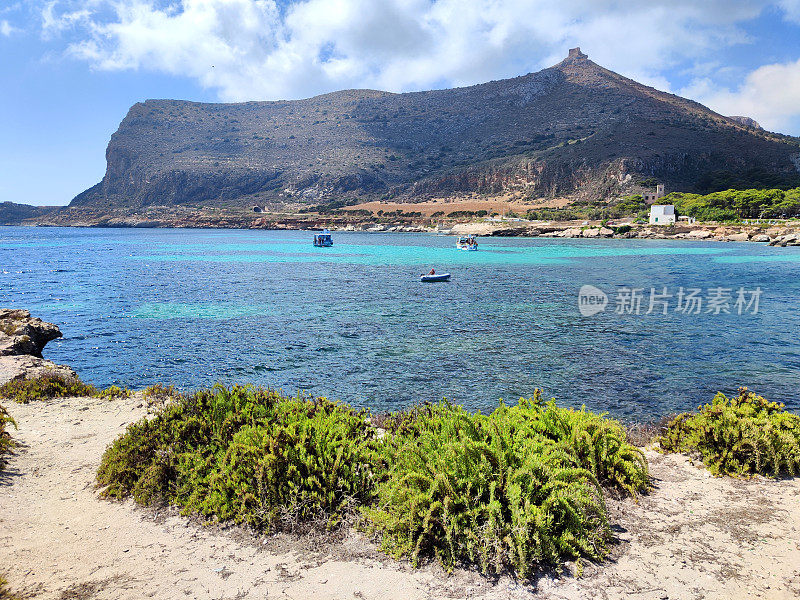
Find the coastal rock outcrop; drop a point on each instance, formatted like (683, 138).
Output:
(790, 239)
(22, 339)
(699, 234)
(738, 237)
(22, 334)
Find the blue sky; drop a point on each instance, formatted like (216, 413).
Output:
(71, 69)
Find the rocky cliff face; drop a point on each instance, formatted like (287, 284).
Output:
(573, 129)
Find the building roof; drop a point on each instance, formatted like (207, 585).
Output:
(663, 209)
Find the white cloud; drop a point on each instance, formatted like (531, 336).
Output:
(56, 19)
(259, 49)
(770, 95)
(253, 49)
(791, 9)
(7, 29)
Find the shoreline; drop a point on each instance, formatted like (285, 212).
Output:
(773, 235)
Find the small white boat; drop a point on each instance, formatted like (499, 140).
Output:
(434, 278)
(467, 242)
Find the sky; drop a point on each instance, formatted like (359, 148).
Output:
(71, 69)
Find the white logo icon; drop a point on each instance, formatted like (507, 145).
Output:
(591, 300)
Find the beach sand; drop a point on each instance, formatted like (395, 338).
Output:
(693, 536)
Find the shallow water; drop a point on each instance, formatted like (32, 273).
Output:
(194, 307)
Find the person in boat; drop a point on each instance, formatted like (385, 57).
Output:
(432, 272)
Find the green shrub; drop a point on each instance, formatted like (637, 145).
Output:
(507, 490)
(740, 436)
(45, 388)
(6, 443)
(55, 386)
(114, 392)
(158, 395)
(733, 204)
(246, 454)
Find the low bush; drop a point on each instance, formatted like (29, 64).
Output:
(156, 396)
(6, 443)
(114, 391)
(54, 386)
(246, 454)
(509, 490)
(505, 491)
(45, 388)
(740, 436)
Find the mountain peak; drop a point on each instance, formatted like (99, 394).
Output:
(576, 54)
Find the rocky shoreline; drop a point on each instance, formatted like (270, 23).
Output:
(774, 235)
(777, 234)
(22, 339)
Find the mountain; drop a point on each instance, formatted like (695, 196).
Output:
(575, 129)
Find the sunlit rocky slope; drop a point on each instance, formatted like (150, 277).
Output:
(575, 129)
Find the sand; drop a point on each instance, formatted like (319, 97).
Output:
(501, 204)
(694, 536)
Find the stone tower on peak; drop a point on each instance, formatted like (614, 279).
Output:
(575, 53)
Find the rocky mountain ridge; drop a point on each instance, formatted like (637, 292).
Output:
(575, 129)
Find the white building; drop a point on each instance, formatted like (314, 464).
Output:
(662, 214)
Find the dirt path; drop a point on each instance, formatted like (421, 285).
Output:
(695, 536)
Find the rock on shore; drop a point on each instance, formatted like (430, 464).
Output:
(22, 339)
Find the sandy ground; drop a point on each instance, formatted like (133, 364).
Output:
(694, 536)
(499, 204)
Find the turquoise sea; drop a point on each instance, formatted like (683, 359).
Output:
(353, 322)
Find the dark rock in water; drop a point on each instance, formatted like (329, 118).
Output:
(510, 232)
(22, 334)
(22, 339)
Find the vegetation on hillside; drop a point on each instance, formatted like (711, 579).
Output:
(740, 436)
(629, 206)
(53, 386)
(746, 179)
(738, 204)
(508, 490)
(730, 205)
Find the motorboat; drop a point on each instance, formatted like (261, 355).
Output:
(467, 242)
(324, 239)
